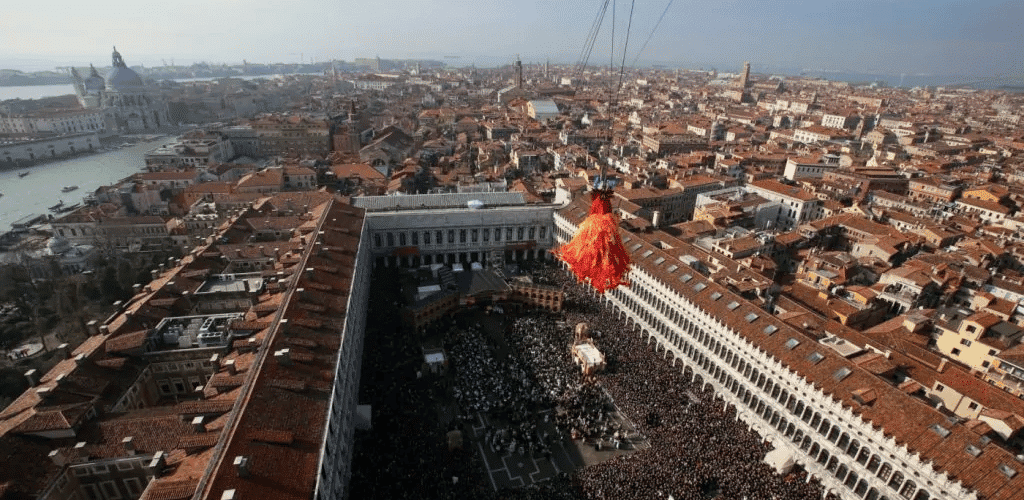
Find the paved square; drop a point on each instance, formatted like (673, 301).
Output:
(511, 469)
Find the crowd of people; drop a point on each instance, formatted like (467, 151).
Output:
(499, 388)
(698, 450)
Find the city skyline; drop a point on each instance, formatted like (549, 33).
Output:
(876, 36)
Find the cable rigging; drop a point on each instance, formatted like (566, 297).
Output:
(588, 45)
(651, 35)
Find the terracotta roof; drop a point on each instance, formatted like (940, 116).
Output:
(277, 407)
(906, 418)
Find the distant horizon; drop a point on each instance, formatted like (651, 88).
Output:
(482, 62)
(883, 37)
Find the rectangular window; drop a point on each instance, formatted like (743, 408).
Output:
(391, 239)
(451, 236)
(438, 237)
(124, 465)
(462, 235)
(110, 490)
(956, 352)
(474, 235)
(133, 486)
(401, 239)
(426, 237)
(497, 234)
(508, 234)
(543, 232)
(415, 238)
(487, 235)
(91, 492)
(965, 342)
(519, 234)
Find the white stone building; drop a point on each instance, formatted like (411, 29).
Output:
(861, 435)
(16, 150)
(444, 229)
(129, 107)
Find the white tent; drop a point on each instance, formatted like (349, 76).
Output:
(781, 459)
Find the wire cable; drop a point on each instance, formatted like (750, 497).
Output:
(588, 45)
(651, 35)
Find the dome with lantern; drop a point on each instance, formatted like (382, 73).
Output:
(121, 77)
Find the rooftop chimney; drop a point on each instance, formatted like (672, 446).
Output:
(128, 443)
(158, 462)
(93, 327)
(283, 325)
(59, 457)
(198, 425)
(242, 465)
(230, 365)
(64, 350)
(229, 495)
(32, 376)
(284, 356)
(80, 359)
(942, 365)
(136, 288)
(104, 329)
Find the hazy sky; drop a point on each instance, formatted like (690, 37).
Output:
(891, 36)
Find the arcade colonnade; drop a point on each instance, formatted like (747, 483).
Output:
(849, 456)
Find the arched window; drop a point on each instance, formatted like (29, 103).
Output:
(873, 464)
(823, 458)
(841, 472)
(862, 486)
(844, 441)
(896, 480)
(884, 472)
(908, 489)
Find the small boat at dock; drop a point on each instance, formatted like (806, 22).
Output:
(68, 189)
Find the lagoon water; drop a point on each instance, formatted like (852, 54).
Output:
(36, 192)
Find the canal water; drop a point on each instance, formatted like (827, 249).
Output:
(41, 188)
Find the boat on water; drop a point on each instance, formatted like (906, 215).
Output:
(23, 174)
(58, 206)
(68, 189)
